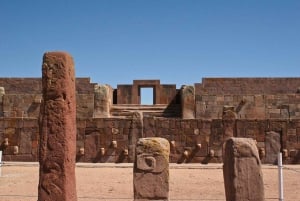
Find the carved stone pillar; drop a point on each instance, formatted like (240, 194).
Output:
(103, 97)
(228, 120)
(243, 177)
(57, 149)
(135, 133)
(2, 93)
(188, 102)
(151, 170)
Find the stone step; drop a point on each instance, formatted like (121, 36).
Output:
(147, 110)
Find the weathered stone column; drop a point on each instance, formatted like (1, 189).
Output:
(103, 96)
(135, 133)
(228, 120)
(243, 177)
(188, 102)
(57, 123)
(2, 93)
(151, 170)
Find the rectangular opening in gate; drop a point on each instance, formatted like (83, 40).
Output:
(146, 95)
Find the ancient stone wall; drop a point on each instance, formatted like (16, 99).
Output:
(109, 138)
(96, 134)
(252, 98)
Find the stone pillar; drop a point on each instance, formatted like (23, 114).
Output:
(103, 97)
(228, 120)
(272, 147)
(188, 102)
(151, 170)
(2, 93)
(57, 123)
(136, 132)
(243, 177)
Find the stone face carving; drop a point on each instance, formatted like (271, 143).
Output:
(188, 102)
(243, 177)
(151, 169)
(57, 122)
(103, 96)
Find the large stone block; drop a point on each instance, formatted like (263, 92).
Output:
(151, 169)
(243, 177)
(57, 149)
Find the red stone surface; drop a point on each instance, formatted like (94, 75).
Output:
(260, 104)
(57, 129)
(243, 177)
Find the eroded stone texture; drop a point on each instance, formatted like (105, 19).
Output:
(57, 149)
(272, 144)
(2, 93)
(228, 120)
(151, 169)
(102, 100)
(243, 177)
(188, 102)
(135, 132)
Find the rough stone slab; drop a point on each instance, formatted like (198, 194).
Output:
(243, 177)
(57, 129)
(151, 169)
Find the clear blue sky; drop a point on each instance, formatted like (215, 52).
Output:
(176, 41)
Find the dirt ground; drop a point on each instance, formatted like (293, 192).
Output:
(113, 182)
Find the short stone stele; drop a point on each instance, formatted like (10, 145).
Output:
(57, 149)
(151, 170)
(243, 177)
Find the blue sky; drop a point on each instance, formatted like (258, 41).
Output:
(177, 41)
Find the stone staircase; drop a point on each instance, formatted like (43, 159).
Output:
(159, 110)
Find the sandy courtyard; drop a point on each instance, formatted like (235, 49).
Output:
(111, 182)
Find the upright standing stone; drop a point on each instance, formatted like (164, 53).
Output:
(2, 93)
(243, 177)
(228, 120)
(103, 96)
(135, 133)
(57, 149)
(188, 102)
(151, 170)
(273, 146)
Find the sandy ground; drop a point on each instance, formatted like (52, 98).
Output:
(111, 182)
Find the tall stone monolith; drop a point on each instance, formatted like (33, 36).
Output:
(2, 93)
(188, 102)
(135, 133)
(151, 170)
(103, 96)
(243, 177)
(57, 123)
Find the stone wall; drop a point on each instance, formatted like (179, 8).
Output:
(259, 107)
(113, 137)
(252, 98)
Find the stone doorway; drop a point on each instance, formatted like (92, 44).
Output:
(146, 95)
